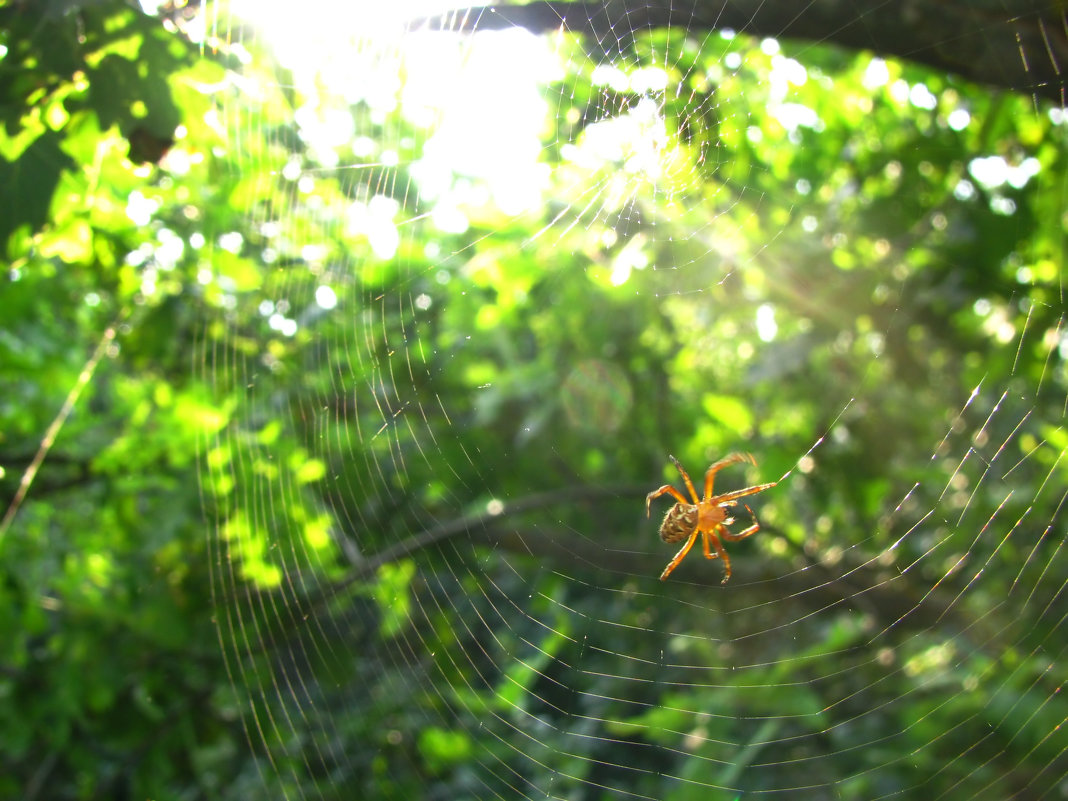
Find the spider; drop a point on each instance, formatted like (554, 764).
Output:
(706, 517)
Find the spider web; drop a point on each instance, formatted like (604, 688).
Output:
(508, 274)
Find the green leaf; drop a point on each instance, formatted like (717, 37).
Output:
(27, 185)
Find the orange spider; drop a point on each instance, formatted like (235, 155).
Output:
(706, 517)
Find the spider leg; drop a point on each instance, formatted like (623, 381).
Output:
(733, 458)
(667, 489)
(686, 478)
(741, 535)
(721, 552)
(720, 500)
(685, 549)
(711, 538)
(704, 543)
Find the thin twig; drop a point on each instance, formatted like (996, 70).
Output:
(53, 430)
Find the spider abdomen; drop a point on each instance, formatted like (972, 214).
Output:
(679, 523)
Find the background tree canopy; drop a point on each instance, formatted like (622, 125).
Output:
(341, 351)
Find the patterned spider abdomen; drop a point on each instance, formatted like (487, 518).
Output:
(679, 522)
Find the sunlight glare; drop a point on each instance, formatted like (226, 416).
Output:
(876, 75)
(767, 328)
(476, 95)
(489, 114)
(325, 297)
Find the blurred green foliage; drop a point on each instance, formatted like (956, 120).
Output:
(190, 604)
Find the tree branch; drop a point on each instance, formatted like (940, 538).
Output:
(1021, 45)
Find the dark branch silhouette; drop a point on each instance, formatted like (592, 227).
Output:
(1020, 45)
